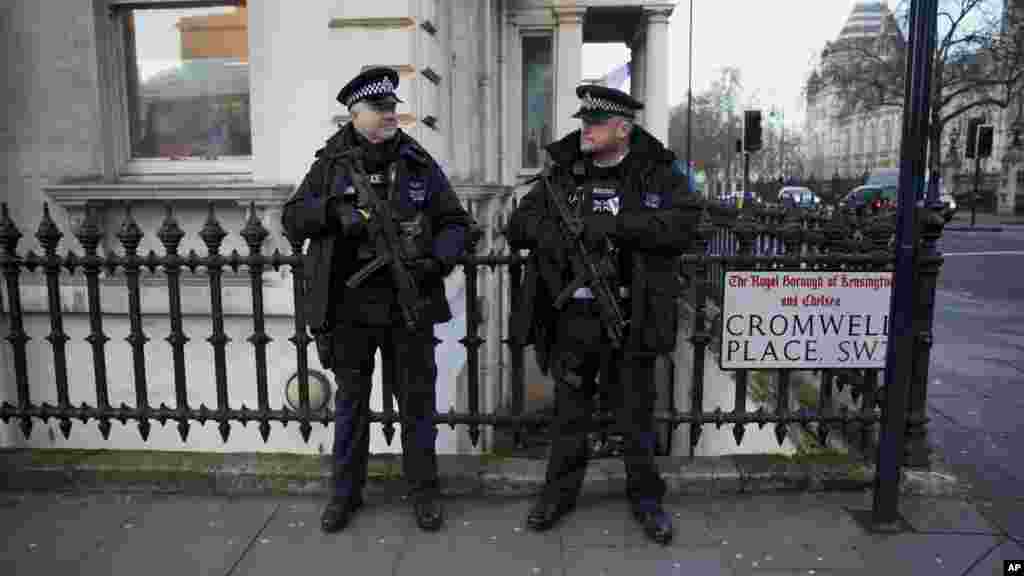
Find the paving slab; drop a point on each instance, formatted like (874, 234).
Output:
(633, 561)
(992, 564)
(924, 553)
(1006, 515)
(794, 531)
(482, 536)
(743, 534)
(49, 533)
(597, 522)
(370, 545)
(173, 535)
(939, 515)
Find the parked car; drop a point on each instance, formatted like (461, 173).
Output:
(798, 197)
(739, 198)
(949, 206)
(889, 178)
(870, 197)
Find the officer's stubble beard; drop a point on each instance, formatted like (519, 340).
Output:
(614, 148)
(374, 125)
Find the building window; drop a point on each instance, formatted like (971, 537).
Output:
(187, 82)
(538, 98)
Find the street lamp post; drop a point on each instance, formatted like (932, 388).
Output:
(689, 104)
(781, 115)
(900, 345)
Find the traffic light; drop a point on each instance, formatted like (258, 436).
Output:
(986, 133)
(752, 130)
(972, 135)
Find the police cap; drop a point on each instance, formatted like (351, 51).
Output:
(598, 103)
(377, 83)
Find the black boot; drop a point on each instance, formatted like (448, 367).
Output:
(429, 512)
(338, 512)
(546, 511)
(656, 522)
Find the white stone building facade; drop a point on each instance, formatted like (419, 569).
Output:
(853, 145)
(485, 84)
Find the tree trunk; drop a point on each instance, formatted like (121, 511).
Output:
(935, 126)
(934, 156)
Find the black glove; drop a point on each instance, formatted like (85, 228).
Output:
(354, 221)
(596, 228)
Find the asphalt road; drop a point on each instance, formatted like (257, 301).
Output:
(976, 394)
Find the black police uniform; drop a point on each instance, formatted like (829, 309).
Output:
(351, 324)
(641, 205)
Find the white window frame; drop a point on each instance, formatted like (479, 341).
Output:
(524, 21)
(119, 165)
(534, 32)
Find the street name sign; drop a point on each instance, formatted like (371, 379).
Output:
(804, 320)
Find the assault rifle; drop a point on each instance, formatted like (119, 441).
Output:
(387, 246)
(587, 270)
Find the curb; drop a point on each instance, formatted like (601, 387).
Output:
(290, 474)
(973, 229)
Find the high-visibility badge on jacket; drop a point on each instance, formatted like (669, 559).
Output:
(417, 192)
(605, 200)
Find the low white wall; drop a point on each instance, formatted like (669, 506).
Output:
(719, 392)
(240, 360)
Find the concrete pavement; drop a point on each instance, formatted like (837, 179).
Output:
(977, 370)
(764, 534)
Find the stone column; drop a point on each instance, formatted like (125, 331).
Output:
(656, 73)
(568, 66)
(1013, 164)
(637, 69)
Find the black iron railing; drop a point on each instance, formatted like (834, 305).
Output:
(779, 239)
(728, 238)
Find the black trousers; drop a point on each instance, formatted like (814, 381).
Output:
(414, 372)
(581, 357)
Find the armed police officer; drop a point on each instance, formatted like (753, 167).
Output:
(385, 228)
(605, 224)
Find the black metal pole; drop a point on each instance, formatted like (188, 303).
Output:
(885, 506)
(689, 104)
(782, 144)
(746, 175)
(977, 180)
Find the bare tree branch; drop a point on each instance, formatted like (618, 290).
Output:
(975, 65)
(987, 102)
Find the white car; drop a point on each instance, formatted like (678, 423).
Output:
(949, 205)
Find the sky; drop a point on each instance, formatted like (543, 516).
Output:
(774, 43)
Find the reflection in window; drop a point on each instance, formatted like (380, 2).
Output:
(538, 98)
(188, 82)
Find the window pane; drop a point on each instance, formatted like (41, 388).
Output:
(188, 82)
(538, 98)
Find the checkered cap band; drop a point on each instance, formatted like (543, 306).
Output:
(378, 88)
(589, 102)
